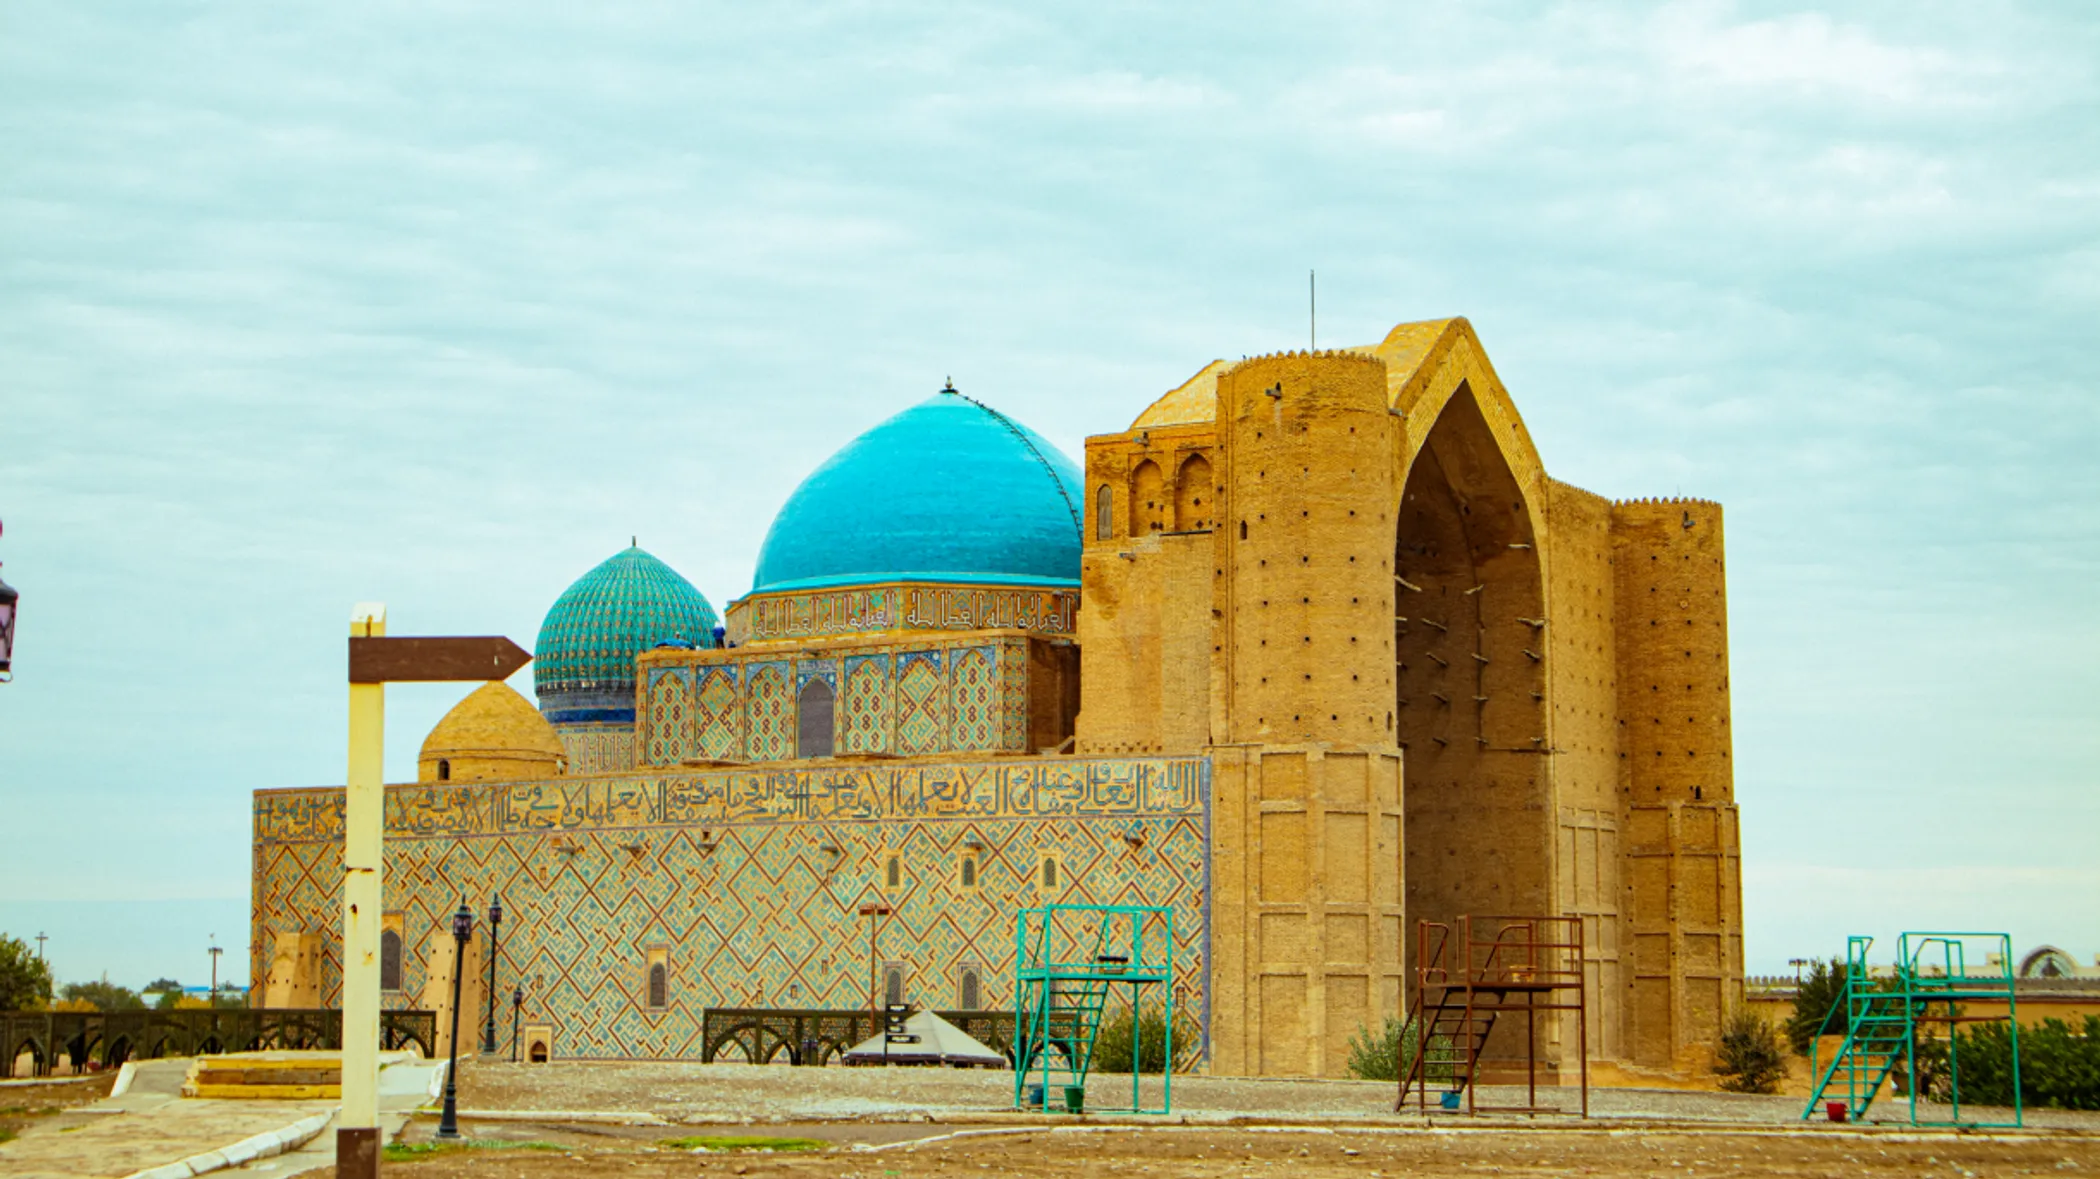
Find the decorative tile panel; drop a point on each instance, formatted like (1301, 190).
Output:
(751, 880)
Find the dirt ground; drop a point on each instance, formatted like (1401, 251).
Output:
(1230, 1153)
(761, 1094)
(23, 1106)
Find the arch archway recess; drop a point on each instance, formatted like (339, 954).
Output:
(1470, 677)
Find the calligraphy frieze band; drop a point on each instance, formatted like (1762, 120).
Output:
(992, 789)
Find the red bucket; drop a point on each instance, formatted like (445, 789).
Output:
(1835, 1110)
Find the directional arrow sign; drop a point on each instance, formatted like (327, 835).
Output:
(382, 661)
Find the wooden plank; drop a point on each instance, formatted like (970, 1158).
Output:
(403, 660)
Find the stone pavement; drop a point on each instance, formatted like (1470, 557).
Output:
(152, 1125)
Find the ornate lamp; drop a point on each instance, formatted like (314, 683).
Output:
(517, 1010)
(488, 1029)
(462, 932)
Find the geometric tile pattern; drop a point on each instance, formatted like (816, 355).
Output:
(917, 696)
(670, 699)
(598, 748)
(864, 711)
(751, 880)
(972, 689)
(718, 715)
(771, 710)
(862, 609)
(922, 715)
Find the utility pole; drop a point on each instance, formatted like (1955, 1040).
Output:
(40, 947)
(215, 951)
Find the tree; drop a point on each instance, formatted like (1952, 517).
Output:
(1750, 1058)
(25, 979)
(162, 985)
(1813, 999)
(104, 994)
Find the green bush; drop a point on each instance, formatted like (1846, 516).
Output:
(1813, 999)
(103, 994)
(1750, 1058)
(1383, 1055)
(2059, 1065)
(1112, 1043)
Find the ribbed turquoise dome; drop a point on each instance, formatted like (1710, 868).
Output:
(583, 664)
(948, 489)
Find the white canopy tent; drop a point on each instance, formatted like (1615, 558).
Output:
(940, 1042)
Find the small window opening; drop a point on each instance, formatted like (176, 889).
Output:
(444, 769)
(969, 872)
(1049, 872)
(971, 997)
(1104, 517)
(659, 986)
(893, 986)
(390, 957)
(893, 872)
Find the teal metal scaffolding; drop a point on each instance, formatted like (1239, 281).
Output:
(1070, 961)
(1935, 972)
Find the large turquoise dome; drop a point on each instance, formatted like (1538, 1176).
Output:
(950, 489)
(583, 664)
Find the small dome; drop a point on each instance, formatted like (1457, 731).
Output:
(948, 489)
(583, 664)
(494, 735)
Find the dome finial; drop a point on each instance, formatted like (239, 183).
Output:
(948, 385)
(634, 540)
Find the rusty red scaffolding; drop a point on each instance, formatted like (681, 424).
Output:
(1466, 979)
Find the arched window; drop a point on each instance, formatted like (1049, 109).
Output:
(893, 986)
(659, 986)
(390, 956)
(893, 872)
(1104, 513)
(1192, 495)
(1148, 493)
(969, 872)
(444, 769)
(971, 999)
(1049, 870)
(814, 719)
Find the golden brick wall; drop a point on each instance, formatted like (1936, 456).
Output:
(1305, 594)
(1306, 909)
(1677, 781)
(1582, 687)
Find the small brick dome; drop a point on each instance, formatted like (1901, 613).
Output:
(494, 735)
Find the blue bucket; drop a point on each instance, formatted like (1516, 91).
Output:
(1448, 1099)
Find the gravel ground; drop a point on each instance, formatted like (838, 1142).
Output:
(1354, 1152)
(730, 1094)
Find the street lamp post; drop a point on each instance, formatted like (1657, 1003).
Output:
(874, 911)
(488, 1029)
(517, 1011)
(462, 932)
(215, 951)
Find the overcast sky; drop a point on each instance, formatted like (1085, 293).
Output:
(438, 304)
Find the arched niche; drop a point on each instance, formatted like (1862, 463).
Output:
(1469, 678)
(1195, 489)
(1148, 508)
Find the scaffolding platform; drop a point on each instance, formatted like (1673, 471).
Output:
(1070, 962)
(1934, 973)
(1467, 979)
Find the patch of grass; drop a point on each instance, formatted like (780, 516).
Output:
(6, 1135)
(717, 1142)
(409, 1152)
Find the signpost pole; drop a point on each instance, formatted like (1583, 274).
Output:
(357, 1136)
